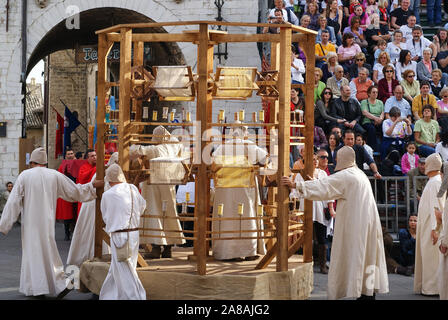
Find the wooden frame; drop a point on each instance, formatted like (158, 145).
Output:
(205, 39)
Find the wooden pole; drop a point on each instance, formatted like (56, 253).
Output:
(308, 48)
(283, 141)
(138, 61)
(203, 114)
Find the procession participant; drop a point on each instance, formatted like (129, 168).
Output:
(121, 208)
(87, 171)
(426, 250)
(355, 270)
(157, 196)
(232, 197)
(34, 196)
(82, 247)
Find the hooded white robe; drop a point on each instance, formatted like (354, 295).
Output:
(358, 263)
(443, 264)
(34, 195)
(427, 254)
(231, 197)
(82, 246)
(122, 282)
(155, 195)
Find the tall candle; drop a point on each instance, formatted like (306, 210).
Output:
(240, 208)
(187, 196)
(237, 117)
(254, 117)
(261, 116)
(220, 209)
(164, 205)
(154, 116)
(165, 113)
(172, 116)
(260, 210)
(188, 118)
(241, 115)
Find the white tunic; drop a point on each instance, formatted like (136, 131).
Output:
(82, 246)
(155, 195)
(427, 254)
(443, 264)
(122, 282)
(34, 195)
(357, 264)
(230, 198)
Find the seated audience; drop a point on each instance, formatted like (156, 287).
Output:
(404, 63)
(360, 62)
(360, 84)
(407, 242)
(426, 132)
(398, 101)
(348, 109)
(442, 109)
(348, 51)
(437, 83)
(442, 146)
(426, 65)
(323, 26)
(373, 116)
(387, 85)
(394, 47)
(395, 130)
(384, 61)
(410, 85)
(322, 48)
(336, 82)
(328, 69)
(319, 86)
(409, 160)
(322, 117)
(424, 98)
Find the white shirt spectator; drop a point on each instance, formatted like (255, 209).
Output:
(400, 69)
(443, 151)
(417, 47)
(296, 74)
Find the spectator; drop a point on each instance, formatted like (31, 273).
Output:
(398, 101)
(373, 112)
(394, 47)
(332, 147)
(360, 62)
(324, 27)
(404, 63)
(322, 117)
(322, 48)
(359, 140)
(374, 35)
(348, 109)
(410, 85)
(382, 45)
(384, 60)
(364, 19)
(79, 155)
(320, 140)
(336, 82)
(392, 265)
(426, 65)
(418, 43)
(296, 101)
(400, 15)
(407, 28)
(305, 21)
(5, 194)
(319, 86)
(360, 85)
(313, 13)
(348, 50)
(442, 110)
(387, 85)
(275, 18)
(384, 16)
(442, 146)
(440, 41)
(334, 18)
(328, 69)
(407, 242)
(288, 15)
(437, 83)
(426, 132)
(371, 8)
(322, 156)
(356, 30)
(424, 98)
(419, 182)
(409, 160)
(395, 130)
(297, 69)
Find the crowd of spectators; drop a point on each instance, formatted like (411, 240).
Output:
(375, 74)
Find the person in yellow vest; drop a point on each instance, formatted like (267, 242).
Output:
(423, 99)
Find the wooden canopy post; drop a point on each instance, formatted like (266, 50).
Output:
(138, 61)
(283, 141)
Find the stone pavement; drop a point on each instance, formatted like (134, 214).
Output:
(400, 287)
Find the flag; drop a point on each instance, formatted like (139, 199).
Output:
(113, 128)
(58, 150)
(70, 124)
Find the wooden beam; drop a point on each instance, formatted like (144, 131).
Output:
(284, 84)
(156, 37)
(138, 61)
(125, 97)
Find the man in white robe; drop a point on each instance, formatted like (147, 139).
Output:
(426, 248)
(82, 247)
(121, 208)
(358, 263)
(34, 196)
(443, 238)
(230, 198)
(159, 196)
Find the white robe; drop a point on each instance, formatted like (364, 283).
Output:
(231, 197)
(427, 254)
(155, 195)
(443, 263)
(358, 263)
(34, 195)
(122, 282)
(82, 246)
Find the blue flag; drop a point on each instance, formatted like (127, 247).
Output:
(70, 124)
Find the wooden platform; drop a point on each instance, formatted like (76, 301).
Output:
(177, 279)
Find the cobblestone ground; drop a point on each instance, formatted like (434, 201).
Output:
(400, 287)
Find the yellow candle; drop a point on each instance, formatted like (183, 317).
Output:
(261, 116)
(260, 210)
(187, 197)
(220, 210)
(188, 117)
(172, 116)
(241, 115)
(240, 208)
(154, 116)
(254, 117)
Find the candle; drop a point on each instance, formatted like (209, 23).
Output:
(240, 208)
(260, 210)
(220, 210)
(237, 116)
(300, 112)
(188, 118)
(261, 116)
(164, 204)
(154, 116)
(172, 116)
(184, 207)
(187, 197)
(165, 112)
(254, 117)
(221, 115)
(241, 115)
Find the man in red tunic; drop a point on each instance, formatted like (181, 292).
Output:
(65, 210)
(87, 171)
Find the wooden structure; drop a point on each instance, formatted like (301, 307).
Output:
(275, 86)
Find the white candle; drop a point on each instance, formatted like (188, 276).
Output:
(165, 112)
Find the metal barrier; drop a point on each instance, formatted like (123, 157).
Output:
(414, 189)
